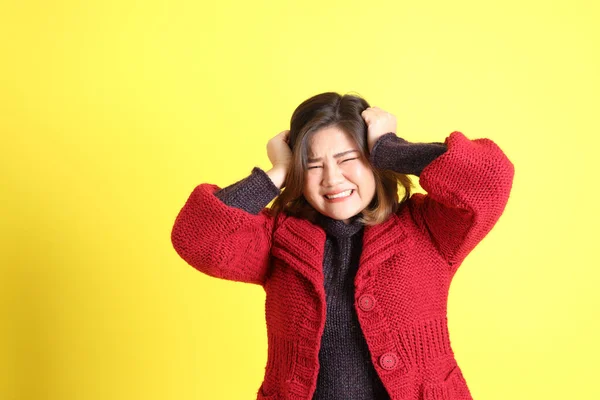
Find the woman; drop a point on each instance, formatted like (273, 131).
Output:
(356, 278)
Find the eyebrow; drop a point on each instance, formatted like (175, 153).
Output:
(338, 155)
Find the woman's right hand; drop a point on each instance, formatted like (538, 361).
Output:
(279, 151)
(280, 154)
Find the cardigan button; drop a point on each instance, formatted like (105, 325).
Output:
(388, 361)
(366, 302)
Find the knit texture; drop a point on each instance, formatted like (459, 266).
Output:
(346, 370)
(345, 367)
(397, 154)
(400, 289)
(251, 194)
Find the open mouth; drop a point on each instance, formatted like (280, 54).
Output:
(341, 195)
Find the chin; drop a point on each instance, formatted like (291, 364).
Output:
(341, 216)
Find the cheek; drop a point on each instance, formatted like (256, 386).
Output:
(310, 188)
(365, 175)
(367, 182)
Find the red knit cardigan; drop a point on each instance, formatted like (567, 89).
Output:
(401, 287)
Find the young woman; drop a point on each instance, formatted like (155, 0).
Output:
(356, 279)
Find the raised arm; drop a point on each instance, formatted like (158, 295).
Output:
(253, 193)
(468, 183)
(396, 154)
(226, 233)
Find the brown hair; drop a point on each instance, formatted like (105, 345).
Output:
(344, 112)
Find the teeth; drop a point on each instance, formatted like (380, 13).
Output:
(342, 194)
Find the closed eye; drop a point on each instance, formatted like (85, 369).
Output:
(318, 166)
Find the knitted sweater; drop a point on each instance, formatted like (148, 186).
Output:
(346, 370)
(319, 329)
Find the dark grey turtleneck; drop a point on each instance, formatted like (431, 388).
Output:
(346, 370)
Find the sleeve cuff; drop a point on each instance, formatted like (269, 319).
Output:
(394, 153)
(251, 194)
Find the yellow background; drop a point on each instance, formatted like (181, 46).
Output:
(113, 111)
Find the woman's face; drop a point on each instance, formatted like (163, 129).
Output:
(328, 174)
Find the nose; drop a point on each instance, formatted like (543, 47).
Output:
(332, 176)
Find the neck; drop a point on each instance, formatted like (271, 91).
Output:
(340, 228)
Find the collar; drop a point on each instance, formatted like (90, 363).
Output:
(339, 228)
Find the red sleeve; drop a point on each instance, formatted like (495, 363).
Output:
(467, 191)
(223, 241)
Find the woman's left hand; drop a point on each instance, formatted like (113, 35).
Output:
(379, 123)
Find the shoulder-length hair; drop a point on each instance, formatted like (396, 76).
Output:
(344, 112)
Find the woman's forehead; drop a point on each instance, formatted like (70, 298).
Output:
(323, 143)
